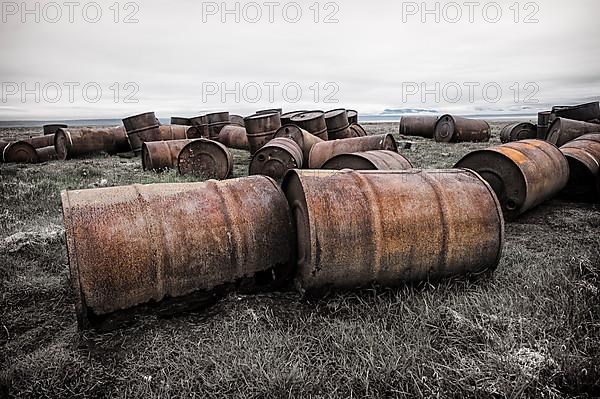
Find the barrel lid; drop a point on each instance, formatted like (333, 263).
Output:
(205, 158)
(335, 113)
(306, 116)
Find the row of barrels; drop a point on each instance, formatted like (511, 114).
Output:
(149, 246)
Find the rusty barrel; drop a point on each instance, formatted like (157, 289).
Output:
(276, 158)
(582, 112)
(142, 128)
(26, 150)
(304, 139)
(234, 136)
(206, 159)
(216, 121)
(389, 228)
(455, 129)
(162, 155)
(201, 125)
(523, 174)
(53, 128)
(260, 129)
(137, 245)
(369, 160)
(3, 145)
(237, 120)
(583, 155)
(518, 131)
(177, 120)
(323, 152)
(418, 125)
(358, 130)
(352, 116)
(544, 119)
(174, 132)
(313, 122)
(73, 143)
(286, 119)
(338, 126)
(270, 111)
(564, 130)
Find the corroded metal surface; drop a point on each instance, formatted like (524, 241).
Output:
(201, 125)
(141, 121)
(313, 122)
(286, 119)
(260, 129)
(161, 155)
(418, 125)
(323, 152)
(72, 143)
(40, 141)
(216, 121)
(52, 129)
(338, 125)
(454, 129)
(518, 131)
(304, 139)
(173, 132)
(582, 112)
(352, 116)
(143, 244)
(276, 158)
(237, 120)
(359, 131)
(234, 136)
(523, 174)
(176, 120)
(564, 130)
(26, 151)
(583, 155)
(206, 159)
(369, 160)
(270, 111)
(544, 119)
(356, 228)
(46, 154)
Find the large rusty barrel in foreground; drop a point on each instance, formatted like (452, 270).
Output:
(304, 139)
(358, 228)
(260, 129)
(418, 125)
(323, 152)
(162, 155)
(518, 131)
(564, 130)
(32, 150)
(523, 174)
(455, 129)
(216, 121)
(72, 143)
(205, 158)
(50, 130)
(234, 136)
(369, 160)
(313, 122)
(142, 128)
(338, 125)
(276, 158)
(583, 155)
(582, 112)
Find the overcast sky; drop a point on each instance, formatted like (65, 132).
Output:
(378, 55)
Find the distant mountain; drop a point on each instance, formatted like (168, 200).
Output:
(405, 111)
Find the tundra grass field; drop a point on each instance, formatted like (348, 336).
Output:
(530, 329)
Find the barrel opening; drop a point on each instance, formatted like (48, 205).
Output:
(582, 182)
(261, 157)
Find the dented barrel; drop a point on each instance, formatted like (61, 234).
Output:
(73, 143)
(137, 245)
(583, 155)
(323, 152)
(161, 155)
(564, 130)
(276, 158)
(304, 139)
(389, 228)
(313, 122)
(418, 125)
(518, 131)
(369, 160)
(260, 129)
(206, 159)
(234, 136)
(523, 174)
(455, 129)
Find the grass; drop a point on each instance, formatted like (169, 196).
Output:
(531, 329)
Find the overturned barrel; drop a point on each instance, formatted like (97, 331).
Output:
(174, 132)
(313, 122)
(455, 129)
(304, 139)
(338, 126)
(582, 112)
(206, 159)
(161, 155)
(562, 131)
(216, 121)
(583, 155)
(358, 130)
(369, 160)
(234, 136)
(142, 128)
(518, 131)
(73, 143)
(523, 174)
(323, 152)
(33, 150)
(389, 228)
(260, 129)
(418, 125)
(50, 130)
(276, 158)
(137, 245)
(176, 120)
